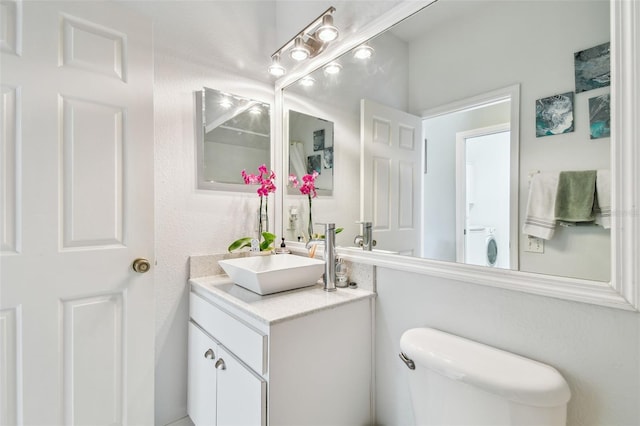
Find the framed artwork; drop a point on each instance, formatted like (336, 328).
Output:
(593, 68)
(600, 116)
(318, 140)
(314, 164)
(327, 158)
(554, 115)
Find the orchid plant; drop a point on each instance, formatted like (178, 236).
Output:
(308, 188)
(266, 180)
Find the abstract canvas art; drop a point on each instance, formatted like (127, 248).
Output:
(554, 115)
(600, 116)
(318, 140)
(327, 158)
(593, 68)
(314, 163)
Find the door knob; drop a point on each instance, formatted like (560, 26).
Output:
(220, 365)
(141, 265)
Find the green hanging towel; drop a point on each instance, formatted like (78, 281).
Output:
(575, 197)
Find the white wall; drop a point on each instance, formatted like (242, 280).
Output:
(531, 43)
(188, 221)
(596, 349)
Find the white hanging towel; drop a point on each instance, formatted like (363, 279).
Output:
(603, 195)
(540, 219)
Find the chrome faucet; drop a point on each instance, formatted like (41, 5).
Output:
(329, 242)
(365, 240)
(329, 257)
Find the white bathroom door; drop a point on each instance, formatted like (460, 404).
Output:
(76, 322)
(391, 184)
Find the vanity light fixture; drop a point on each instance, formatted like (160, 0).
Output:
(256, 109)
(308, 43)
(364, 51)
(333, 68)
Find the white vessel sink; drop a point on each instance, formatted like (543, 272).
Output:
(273, 273)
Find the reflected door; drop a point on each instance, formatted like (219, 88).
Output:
(391, 169)
(76, 322)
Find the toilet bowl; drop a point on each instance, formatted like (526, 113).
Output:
(455, 381)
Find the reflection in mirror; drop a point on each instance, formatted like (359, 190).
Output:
(448, 52)
(233, 134)
(478, 224)
(311, 149)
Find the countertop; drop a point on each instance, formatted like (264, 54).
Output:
(277, 307)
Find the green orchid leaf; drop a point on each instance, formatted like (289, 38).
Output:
(269, 238)
(240, 243)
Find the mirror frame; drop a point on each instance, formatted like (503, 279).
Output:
(622, 292)
(202, 184)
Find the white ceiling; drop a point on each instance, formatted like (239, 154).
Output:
(239, 36)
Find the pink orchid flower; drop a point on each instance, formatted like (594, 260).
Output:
(308, 186)
(264, 178)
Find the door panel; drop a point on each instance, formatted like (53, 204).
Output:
(78, 157)
(242, 394)
(201, 372)
(391, 176)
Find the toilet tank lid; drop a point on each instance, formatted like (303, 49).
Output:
(502, 373)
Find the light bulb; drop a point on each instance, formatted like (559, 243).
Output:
(333, 68)
(276, 69)
(327, 31)
(364, 51)
(307, 81)
(299, 51)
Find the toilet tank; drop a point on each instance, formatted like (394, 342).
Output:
(456, 381)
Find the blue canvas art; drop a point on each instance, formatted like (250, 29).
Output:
(600, 116)
(593, 68)
(554, 115)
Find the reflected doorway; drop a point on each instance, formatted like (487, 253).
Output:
(464, 218)
(482, 193)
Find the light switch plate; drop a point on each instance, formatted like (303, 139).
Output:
(534, 245)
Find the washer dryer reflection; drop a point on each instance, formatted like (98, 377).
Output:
(481, 247)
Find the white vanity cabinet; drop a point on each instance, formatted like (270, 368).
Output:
(216, 377)
(302, 357)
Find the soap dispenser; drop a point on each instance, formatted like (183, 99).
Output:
(283, 248)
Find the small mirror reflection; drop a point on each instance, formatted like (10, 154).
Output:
(311, 149)
(236, 136)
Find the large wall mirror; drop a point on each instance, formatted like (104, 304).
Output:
(233, 133)
(462, 85)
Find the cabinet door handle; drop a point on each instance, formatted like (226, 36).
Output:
(209, 354)
(220, 365)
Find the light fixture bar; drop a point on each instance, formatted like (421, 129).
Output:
(306, 31)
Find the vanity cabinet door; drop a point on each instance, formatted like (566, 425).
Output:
(242, 394)
(201, 397)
